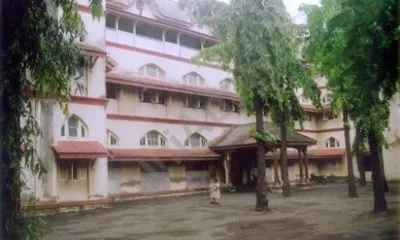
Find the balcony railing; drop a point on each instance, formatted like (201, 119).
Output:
(151, 44)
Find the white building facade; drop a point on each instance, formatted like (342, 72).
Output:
(142, 114)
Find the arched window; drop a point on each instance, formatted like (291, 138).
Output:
(226, 84)
(332, 143)
(327, 99)
(195, 141)
(153, 139)
(152, 70)
(74, 127)
(193, 79)
(112, 139)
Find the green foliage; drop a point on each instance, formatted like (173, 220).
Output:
(40, 56)
(353, 43)
(259, 46)
(265, 137)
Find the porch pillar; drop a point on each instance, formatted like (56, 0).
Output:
(300, 166)
(306, 165)
(227, 166)
(277, 181)
(101, 178)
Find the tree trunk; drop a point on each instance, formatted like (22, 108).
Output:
(360, 160)
(261, 194)
(352, 189)
(12, 13)
(380, 204)
(284, 157)
(386, 187)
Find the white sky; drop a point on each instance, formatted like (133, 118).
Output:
(293, 6)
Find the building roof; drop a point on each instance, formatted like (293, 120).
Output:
(148, 82)
(143, 154)
(239, 136)
(328, 153)
(169, 11)
(91, 50)
(79, 149)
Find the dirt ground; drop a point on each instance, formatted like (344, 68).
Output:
(322, 212)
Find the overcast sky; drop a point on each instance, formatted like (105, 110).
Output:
(293, 6)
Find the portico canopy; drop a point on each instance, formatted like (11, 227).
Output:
(238, 137)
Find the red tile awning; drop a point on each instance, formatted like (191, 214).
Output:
(91, 50)
(140, 154)
(317, 154)
(79, 149)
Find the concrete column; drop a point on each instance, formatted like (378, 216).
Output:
(134, 33)
(178, 41)
(277, 181)
(300, 166)
(163, 39)
(116, 27)
(306, 165)
(227, 166)
(101, 177)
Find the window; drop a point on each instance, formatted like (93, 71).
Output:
(153, 139)
(111, 90)
(194, 102)
(329, 116)
(151, 96)
(150, 31)
(110, 21)
(195, 141)
(327, 99)
(229, 106)
(152, 70)
(112, 139)
(332, 143)
(193, 79)
(190, 42)
(74, 127)
(125, 25)
(71, 171)
(226, 84)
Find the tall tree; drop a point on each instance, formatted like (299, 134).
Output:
(354, 43)
(258, 46)
(38, 53)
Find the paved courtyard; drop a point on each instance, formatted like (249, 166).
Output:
(323, 212)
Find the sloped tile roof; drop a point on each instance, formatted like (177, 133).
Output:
(79, 149)
(169, 10)
(239, 135)
(90, 49)
(143, 154)
(328, 153)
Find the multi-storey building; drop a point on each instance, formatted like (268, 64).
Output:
(142, 115)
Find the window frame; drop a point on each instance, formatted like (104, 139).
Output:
(196, 137)
(200, 81)
(226, 84)
(72, 172)
(152, 96)
(161, 140)
(81, 128)
(110, 137)
(328, 143)
(159, 72)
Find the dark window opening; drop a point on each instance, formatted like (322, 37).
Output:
(197, 166)
(148, 167)
(111, 21)
(111, 90)
(125, 25)
(171, 36)
(149, 31)
(191, 42)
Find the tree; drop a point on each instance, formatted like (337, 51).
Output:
(38, 54)
(354, 43)
(258, 46)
